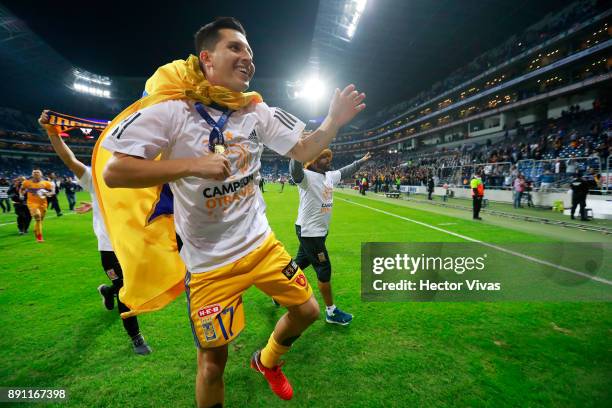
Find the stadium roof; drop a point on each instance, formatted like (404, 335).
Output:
(399, 48)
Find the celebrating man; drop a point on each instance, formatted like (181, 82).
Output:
(209, 139)
(37, 191)
(316, 185)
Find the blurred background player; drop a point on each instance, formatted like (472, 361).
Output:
(70, 188)
(52, 196)
(316, 185)
(282, 182)
(5, 203)
(109, 260)
(37, 190)
(19, 204)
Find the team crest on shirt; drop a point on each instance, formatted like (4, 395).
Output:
(301, 280)
(290, 270)
(206, 315)
(209, 329)
(327, 193)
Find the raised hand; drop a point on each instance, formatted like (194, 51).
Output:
(83, 208)
(43, 120)
(345, 105)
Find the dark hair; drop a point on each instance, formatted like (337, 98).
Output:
(207, 37)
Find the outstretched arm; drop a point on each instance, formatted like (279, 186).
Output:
(343, 108)
(62, 150)
(349, 170)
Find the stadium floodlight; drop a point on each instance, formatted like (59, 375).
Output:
(89, 77)
(91, 90)
(353, 10)
(92, 84)
(311, 89)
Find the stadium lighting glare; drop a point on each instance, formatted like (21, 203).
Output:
(350, 31)
(313, 89)
(361, 4)
(91, 90)
(89, 77)
(353, 11)
(92, 84)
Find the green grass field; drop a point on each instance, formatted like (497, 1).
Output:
(55, 332)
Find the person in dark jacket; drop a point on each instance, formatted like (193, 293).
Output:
(580, 190)
(430, 186)
(70, 188)
(19, 204)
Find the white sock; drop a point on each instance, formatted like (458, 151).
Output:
(330, 309)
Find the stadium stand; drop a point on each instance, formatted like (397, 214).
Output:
(551, 122)
(581, 26)
(576, 142)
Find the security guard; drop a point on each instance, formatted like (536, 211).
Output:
(477, 187)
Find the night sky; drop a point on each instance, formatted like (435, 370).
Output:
(401, 47)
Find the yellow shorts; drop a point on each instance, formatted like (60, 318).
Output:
(37, 208)
(214, 298)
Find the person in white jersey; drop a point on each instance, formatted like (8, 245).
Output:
(316, 186)
(210, 157)
(111, 265)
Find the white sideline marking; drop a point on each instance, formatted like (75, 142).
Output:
(46, 219)
(508, 251)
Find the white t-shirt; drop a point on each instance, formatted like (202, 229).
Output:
(316, 201)
(86, 182)
(218, 222)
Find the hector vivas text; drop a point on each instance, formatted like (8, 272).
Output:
(424, 264)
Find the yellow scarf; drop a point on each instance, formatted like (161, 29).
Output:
(183, 79)
(153, 272)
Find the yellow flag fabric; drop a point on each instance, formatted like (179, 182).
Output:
(153, 272)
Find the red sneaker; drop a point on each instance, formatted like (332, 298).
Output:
(39, 238)
(279, 384)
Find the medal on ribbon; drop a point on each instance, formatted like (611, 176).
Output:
(216, 141)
